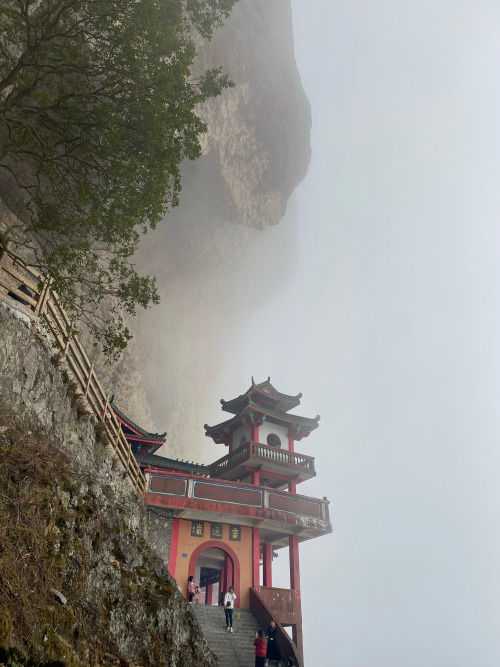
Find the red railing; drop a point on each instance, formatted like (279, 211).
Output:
(263, 452)
(264, 607)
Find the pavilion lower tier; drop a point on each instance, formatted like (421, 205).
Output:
(225, 533)
(278, 514)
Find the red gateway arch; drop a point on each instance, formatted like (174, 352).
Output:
(230, 553)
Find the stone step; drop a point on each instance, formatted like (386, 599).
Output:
(233, 649)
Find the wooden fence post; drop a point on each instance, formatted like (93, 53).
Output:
(3, 250)
(66, 347)
(43, 295)
(89, 379)
(105, 411)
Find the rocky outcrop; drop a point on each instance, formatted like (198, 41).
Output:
(79, 585)
(258, 139)
(221, 253)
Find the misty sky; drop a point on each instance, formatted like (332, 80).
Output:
(391, 329)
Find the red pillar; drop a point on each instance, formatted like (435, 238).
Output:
(222, 582)
(267, 574)
(298, 639)
(295, 585)
(256, 476)
(174, 541)
(292, 486)
(210, 590)
(256, 556)
(291, 445)
(294, 564)
(255, 433)
(228, 567)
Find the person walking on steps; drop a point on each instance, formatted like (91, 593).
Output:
(260, 649)
(193, 589)
(229, 599)
(273, 651)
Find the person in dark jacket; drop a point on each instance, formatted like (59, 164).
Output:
(273, 651)
(260, 649)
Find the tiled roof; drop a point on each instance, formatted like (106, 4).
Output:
(159, 437)
(266, 385)
(267, 391)
(285, 417)
(185, 466)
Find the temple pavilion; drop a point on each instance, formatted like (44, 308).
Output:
(227, 521)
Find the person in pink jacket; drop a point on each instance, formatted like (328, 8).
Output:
(193, 589)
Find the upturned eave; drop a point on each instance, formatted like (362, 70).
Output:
(264, 392)
(301, 425)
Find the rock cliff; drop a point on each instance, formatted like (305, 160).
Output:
(258, 139)
(70, 521)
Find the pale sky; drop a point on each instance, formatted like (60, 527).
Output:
(391, 329)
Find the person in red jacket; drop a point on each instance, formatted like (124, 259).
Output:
(260, 649)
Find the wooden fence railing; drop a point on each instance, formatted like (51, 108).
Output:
(31, 293)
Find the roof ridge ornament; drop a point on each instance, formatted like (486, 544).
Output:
(254, 383)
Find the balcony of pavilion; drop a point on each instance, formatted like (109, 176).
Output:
(276, 466)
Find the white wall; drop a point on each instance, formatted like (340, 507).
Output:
(239, 433)
(268, 427)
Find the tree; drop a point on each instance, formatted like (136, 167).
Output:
(97, 111)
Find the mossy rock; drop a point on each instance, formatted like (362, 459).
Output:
(141, 572)
(6, 628)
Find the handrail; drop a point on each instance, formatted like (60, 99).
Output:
(240, 454)
(262, 451)
(43, 304)
(282, 455)
(293, 511)
(264, 616)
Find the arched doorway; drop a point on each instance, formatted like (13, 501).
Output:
(210, 573)
(216, 566)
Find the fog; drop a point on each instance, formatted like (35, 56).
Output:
(390, 329)
(381, 307)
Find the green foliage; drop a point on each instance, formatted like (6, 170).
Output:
(101, 436)
(71, 384)
(97, 111)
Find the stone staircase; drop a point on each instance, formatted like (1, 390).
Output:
(233, 649)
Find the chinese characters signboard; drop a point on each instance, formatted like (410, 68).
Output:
(197, 528)
(216, 531)
(235, 533)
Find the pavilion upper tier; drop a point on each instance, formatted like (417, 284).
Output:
(261, 403)
(263, 394)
